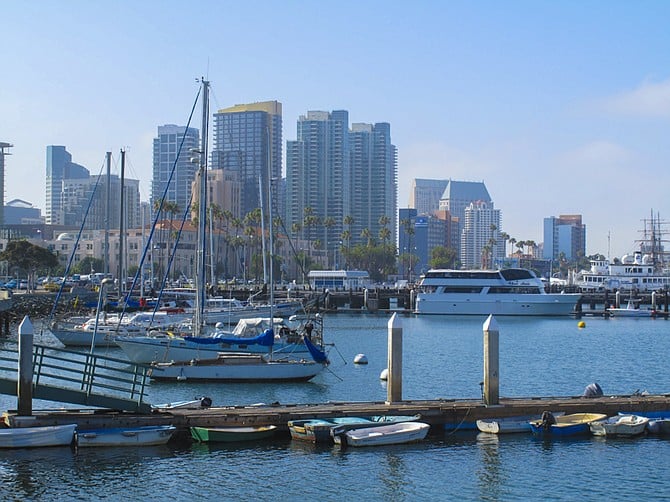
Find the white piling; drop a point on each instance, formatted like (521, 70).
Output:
(491, 362)
(394, 382)
(24, 385)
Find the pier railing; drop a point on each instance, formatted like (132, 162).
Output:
(75, 377)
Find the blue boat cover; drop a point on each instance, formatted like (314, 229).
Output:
(265, 339)
(318, 355)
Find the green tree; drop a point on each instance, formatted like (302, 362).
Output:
(442, 257)
(28, 258)
(88, 264)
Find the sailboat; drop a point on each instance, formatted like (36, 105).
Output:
(233, 366)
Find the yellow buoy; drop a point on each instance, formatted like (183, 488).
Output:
(581, 324)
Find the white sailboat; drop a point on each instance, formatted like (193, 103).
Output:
(227, 366)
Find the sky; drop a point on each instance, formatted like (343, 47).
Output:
(558, 107)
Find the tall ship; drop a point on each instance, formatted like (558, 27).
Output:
(511, 291)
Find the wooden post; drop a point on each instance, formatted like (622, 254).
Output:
(24, 386)
(394, 382)
(491, 362)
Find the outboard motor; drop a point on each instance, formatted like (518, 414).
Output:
(548, 420)
(593, 390)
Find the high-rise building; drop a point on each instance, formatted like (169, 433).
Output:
(565, 234)
(425, 195)
(59, 169)
(85, 200)
(248, 139)
(4, 150)
(318, 177)
(335, 174)
(173, 169)
(481, 246)
(457, 196)
(374, 185)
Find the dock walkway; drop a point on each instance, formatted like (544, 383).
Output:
(447, 414)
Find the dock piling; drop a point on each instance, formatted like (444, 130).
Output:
(394, 382)
(491, 392)
(25, 377)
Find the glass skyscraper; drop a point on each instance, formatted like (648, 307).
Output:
(248, 139)
(59, 168)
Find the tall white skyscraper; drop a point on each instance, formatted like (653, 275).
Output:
(480, 238)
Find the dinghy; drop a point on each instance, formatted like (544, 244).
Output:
(398, 433)
(34, 437)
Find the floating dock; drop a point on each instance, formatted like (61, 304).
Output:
(443, 414)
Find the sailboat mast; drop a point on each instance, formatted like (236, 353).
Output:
(198, 319)
(122, 230)
(105, 254)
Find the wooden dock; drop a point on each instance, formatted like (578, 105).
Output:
(443, 414)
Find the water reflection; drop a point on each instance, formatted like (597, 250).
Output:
(28, 473)
(490, 473)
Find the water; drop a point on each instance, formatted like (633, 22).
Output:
(442, 358)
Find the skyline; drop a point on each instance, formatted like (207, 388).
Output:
(560, 108)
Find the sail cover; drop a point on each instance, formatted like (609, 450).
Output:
(266, 339)
(318, 355)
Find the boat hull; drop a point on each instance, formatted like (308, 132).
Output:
(237, 369)
(397, 433)
(496, 304)
(620, 426)
(566, 425)
(231, 434)
(137, 436)
(148, 349)
(319, 430)
(33, 437)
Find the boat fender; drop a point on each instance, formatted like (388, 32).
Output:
(205, 402)
(547, 420)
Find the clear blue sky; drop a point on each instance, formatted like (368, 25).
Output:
(559, 107)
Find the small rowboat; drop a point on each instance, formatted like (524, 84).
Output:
(398, 433)
(620, 425)
(508, 425)
(566, 425)
(232, 434)
(32, 437)
(137, 436)
(318, 430)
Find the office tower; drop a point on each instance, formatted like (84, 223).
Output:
(173, 169)
(481, 246)
(60, 168)
(425, 195)
(4, 150)
(457, 196)
(85, 200)
(341, 180)
(373, 185)
(565, 234)
(248, 139)
(318, 178)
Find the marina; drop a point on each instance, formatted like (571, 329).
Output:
(442, 372)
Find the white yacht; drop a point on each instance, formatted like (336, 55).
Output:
(632, 272)
(512, 291)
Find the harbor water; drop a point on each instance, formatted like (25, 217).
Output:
(442, 358)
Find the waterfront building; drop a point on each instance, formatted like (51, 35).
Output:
(565, 235)
(333, 174)
(425, 195)
(481, 245)
(247, 139)
(60, 168)
(430, 232)
(173, 170)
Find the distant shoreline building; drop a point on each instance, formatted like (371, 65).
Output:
(60, 169)
(565, 234)
(4, 150)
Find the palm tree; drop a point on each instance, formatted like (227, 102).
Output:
(505, 237)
